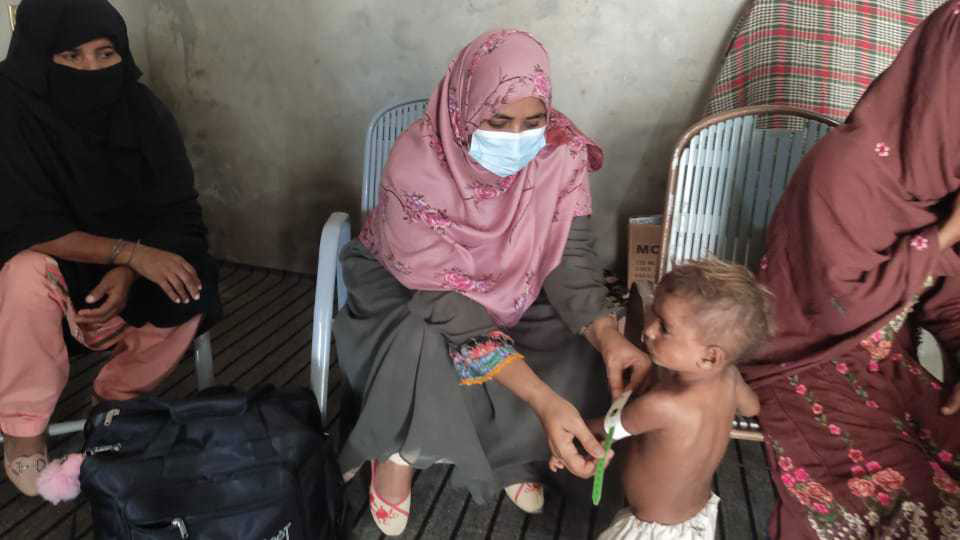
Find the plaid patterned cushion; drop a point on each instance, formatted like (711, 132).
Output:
(816, 54)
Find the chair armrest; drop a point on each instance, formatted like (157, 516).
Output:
(329, 289)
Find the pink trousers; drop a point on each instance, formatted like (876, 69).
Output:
(34, 364)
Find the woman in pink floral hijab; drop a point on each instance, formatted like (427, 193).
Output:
(444, 222)
(477, 307)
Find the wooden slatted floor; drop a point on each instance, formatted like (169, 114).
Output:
(265, 337)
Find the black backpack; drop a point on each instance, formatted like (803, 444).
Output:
(226, 464)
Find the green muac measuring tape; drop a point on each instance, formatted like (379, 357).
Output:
(615, 431)
(612, 425)
(601, 468)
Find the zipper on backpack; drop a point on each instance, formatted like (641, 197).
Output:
(111, 414)
(181, 527)
(112, 448)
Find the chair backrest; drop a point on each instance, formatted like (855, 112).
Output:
(726, 178)
(383, 131)
(385, 126)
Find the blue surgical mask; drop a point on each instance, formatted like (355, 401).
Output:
(504, 153)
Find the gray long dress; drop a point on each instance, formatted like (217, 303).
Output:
(392, 344)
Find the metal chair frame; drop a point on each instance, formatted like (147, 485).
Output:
(331, 294)
(718, 157)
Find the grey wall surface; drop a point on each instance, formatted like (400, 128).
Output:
(273, 98)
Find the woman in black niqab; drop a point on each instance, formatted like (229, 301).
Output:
(101, 232)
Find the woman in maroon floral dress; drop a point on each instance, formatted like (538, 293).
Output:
(862, 441)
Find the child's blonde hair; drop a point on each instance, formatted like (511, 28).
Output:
(735, 311)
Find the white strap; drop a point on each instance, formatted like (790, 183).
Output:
(612, 420)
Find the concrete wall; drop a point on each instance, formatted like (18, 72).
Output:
(274, 97)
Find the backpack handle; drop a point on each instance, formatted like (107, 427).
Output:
(216, 402)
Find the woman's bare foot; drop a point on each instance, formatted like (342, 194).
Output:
(393, 480)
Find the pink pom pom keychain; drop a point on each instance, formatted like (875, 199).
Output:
(60, 480)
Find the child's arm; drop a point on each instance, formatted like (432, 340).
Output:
(651, 411)
(748, 404)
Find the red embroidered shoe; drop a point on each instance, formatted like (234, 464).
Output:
(390, 518)
(528, 496)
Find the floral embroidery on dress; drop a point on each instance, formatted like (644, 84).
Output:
(930, 446)
(878, 343)
(918, 371)
(919, 243)
(944, 481)
(480, 359)
(844, 370)
(826, 516)
(882, 149)
(458, 280)
(879, 488)
(948, 517)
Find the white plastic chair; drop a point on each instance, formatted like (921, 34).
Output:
(203, 359)
(726, 178)
(331, 294)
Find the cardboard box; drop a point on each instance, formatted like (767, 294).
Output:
(643, 245)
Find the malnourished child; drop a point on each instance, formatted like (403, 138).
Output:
(707, 316)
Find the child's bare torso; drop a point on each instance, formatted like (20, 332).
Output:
(668, 472)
